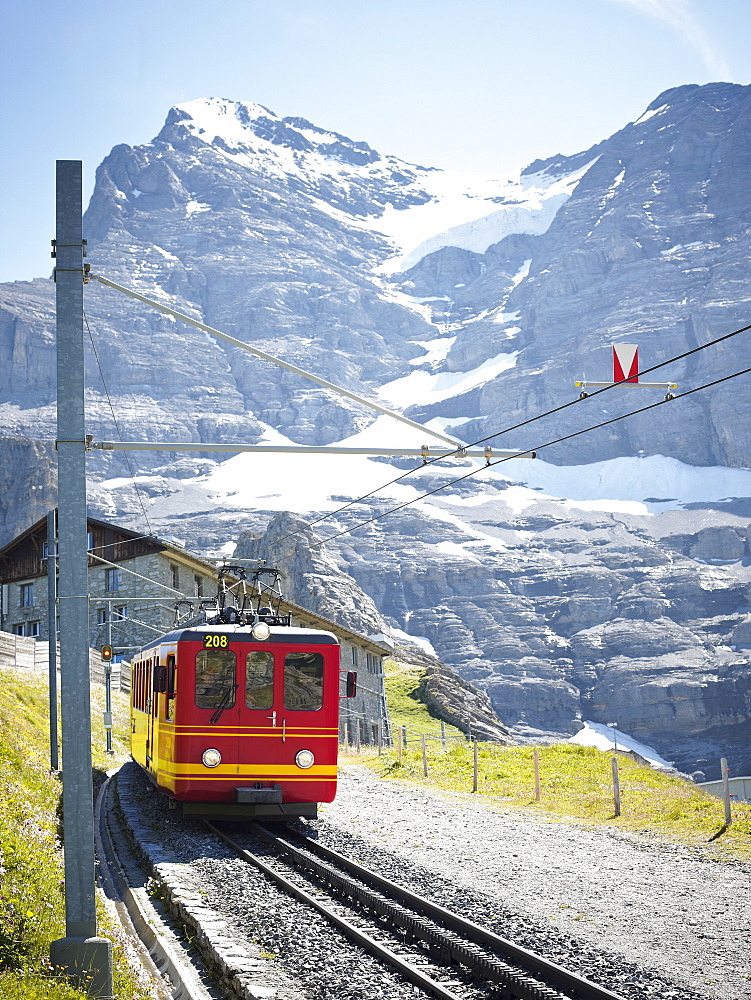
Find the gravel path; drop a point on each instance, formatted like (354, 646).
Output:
(667, 910)
(647, 919)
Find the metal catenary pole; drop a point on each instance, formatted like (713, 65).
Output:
(52, 635)
(84, 956)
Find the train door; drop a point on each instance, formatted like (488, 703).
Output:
(151, 709)
(162, 716)
(285, 712)
(259, 697)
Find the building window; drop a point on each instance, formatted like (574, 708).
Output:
(30, 629)
(89, 540)
(112, 579)
(27, 595)
(101, 616)
(199, 585)
(175, 577)
(120, 613)
(354, 656)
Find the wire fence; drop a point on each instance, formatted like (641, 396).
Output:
(356, 732)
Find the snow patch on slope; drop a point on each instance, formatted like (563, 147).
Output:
(601, 736)
(423, 388)
(458, 213)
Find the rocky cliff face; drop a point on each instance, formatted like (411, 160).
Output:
(312, 579)
(474, 305)
(560, 614)
(651, 249)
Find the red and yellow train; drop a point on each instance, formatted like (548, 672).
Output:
(237, 714)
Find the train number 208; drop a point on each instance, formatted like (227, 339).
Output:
(215, 641)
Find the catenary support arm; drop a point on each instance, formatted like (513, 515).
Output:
(362, 400)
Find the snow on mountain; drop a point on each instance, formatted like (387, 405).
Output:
(603, 737)
(435, 208)
(654, 482)
(458, 214)
(422, 388)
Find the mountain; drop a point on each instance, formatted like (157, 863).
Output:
(609, 577)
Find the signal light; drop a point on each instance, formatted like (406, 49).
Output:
(106, 653)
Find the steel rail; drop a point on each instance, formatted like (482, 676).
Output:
(370, 945)
(171, 973)
(561, 978)
(459, 939)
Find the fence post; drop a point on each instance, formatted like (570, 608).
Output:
(536, 758)
(399, 739)
(357, 735)
(443, 733)
(404, 736)
(616, 787)
(424, 757)
(726, 790)
(474, 770)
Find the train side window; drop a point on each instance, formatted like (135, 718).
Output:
(259, 679)
(215, 678)
(303, 682)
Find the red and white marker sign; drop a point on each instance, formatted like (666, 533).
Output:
(625, 362)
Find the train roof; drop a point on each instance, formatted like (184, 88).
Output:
(279, 634)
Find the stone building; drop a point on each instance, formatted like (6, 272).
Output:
(135, 582)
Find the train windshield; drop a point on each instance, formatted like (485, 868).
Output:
(303, 682)
(215, 678)
(259, 680)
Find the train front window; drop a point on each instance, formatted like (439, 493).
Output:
(215, 678)
(259, 680)
(303, 682)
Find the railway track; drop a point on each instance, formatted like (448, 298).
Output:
(436, 949)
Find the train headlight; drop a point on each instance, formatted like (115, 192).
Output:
(304, 758)
(260, 631)
(211, 757)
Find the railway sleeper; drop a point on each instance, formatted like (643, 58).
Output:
(444, 944)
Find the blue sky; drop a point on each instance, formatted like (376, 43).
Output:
(470, 84)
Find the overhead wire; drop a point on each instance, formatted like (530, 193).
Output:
(458, 451)
(523, 423)
(117, 427)
(547, 444)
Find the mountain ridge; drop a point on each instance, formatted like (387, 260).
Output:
(536, 597)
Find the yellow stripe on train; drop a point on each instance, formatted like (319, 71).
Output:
(257, 771)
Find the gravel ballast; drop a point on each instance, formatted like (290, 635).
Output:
(645, 918)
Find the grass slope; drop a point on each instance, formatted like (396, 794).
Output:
(32, 904)
(405, 706)
(576, 786)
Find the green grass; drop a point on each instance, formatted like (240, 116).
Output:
(406, 708)
(32, 905)
(576, 785)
